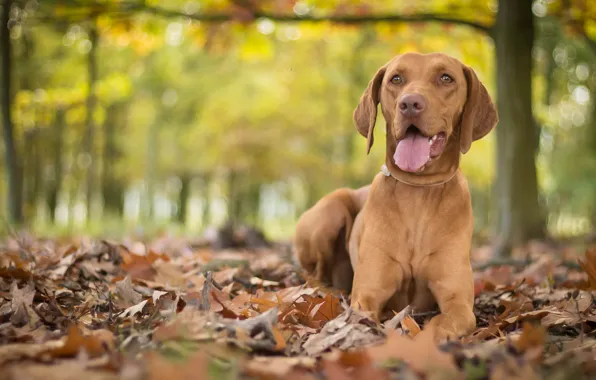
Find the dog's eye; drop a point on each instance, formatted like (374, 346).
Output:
(446, 78)
(396, 79)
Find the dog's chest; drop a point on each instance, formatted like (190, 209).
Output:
(416, 221)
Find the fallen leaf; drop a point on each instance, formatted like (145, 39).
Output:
(169, 274)
(589, 266)
(264, 283)
(398, 318)
(348, 330)
(64, 370)
(531, 341)
(125, 290)
(193, 368)
(225, 276)
(21, 305)
(419, 352)
(156, 295)
(410, 325)
(280, 342)
(354, 365)
(511, 369)
(93, 344)
(133, 310)
(275, 366)
(138, 266)
(572, 312)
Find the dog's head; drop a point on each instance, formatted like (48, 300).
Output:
(428, 101)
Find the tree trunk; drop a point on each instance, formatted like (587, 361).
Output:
(13, 166)
(234, 197)
(112, 187)
(206, 195)
(520, 213)
(183, 198)
(89, 144)
(32, 171)
(150, 174)
(249, 203)
(56, 183)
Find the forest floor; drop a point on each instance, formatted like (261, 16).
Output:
(165, 309)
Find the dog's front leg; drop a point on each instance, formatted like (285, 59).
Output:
(377, 277)
(451, 281)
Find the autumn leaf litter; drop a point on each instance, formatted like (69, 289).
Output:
(171, 310)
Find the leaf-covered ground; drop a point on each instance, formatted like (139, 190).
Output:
(168, 309)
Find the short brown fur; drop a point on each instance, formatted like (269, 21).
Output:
(322, 234)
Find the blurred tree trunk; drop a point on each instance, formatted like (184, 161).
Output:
(32, 170)
(26, 64)
(152, 148)
(13, 165)
(112, 187)
(183, 198)
(234, 201)
(55, 184)
(520, 213)
(591, 130)
(250, 204)
(590, 139)
(89, 141)
(206, 195)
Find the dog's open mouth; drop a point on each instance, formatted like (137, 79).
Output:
(415, 150)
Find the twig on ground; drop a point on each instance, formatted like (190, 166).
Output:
(205, 305)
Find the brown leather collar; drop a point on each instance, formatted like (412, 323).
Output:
(387, 173)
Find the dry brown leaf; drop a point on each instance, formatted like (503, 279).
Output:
(354, 365)
(138, 266)
(280, 342)
(193, 368)
(420, 352)
(535, 315)
(21, 304)
(510, 369)
(589, 266)
(125, 290)
(169, 274)
(572, 312)
(276, 366)
(225, 276)
(133, 310)
(20, 351)
(312, 311)
(410, 325)
(344, 332)
(94, 345)
(19, 258)
(65, 370)
(531, 341)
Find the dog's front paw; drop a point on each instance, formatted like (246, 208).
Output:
(446, 328)
(366, 304)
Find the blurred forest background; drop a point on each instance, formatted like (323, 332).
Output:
(182, 114)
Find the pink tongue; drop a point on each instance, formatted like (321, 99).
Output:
(412, 152)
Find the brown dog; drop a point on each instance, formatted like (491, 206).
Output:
(322, 234)
(410, 243)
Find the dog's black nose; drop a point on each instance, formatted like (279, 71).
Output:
(411, 105)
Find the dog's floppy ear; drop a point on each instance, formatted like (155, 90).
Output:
(480, 115)
(365, 114)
